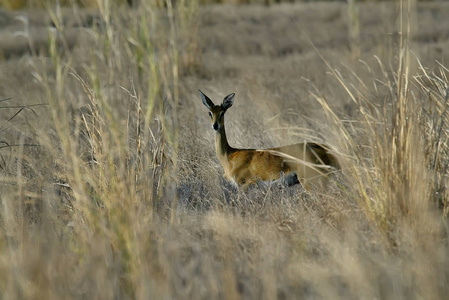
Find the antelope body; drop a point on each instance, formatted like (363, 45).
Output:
(305, 163)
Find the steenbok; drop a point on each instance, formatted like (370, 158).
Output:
(307, 163)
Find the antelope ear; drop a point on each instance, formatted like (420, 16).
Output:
(228, 101)
(206, 101)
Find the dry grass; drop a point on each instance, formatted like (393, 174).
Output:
(123, 196)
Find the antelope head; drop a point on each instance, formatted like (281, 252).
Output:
(216, 112)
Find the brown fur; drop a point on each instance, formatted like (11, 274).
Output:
(310, 162)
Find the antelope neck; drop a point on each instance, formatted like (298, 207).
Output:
(221, 143)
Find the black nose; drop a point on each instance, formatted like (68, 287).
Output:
(215, 126)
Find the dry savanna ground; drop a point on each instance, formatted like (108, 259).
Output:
(110, 187)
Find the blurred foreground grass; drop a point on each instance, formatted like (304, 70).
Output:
(23, 4)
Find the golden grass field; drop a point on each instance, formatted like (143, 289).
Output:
(110, 187)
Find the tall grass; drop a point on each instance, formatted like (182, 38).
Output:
(95, 211)
(111, 149)
(392, 169)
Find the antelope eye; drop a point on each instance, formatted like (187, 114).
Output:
(210, 114)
